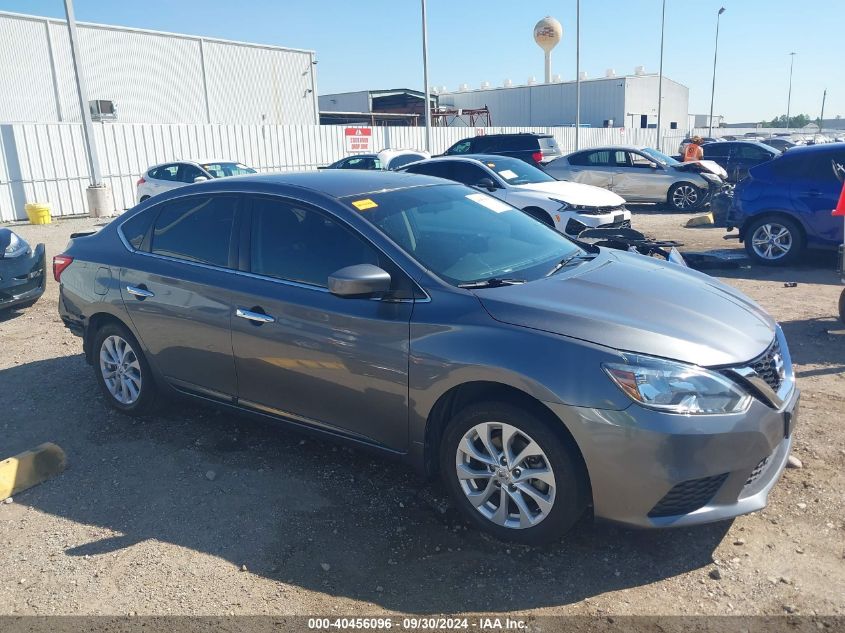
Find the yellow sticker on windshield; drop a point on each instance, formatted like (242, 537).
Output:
(363, 205)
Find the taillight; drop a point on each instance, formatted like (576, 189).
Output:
(60, 262)
(537, 156)
(140, 182)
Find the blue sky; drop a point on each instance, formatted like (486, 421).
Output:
(376, 43)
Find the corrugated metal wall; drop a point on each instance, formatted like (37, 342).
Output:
(151, 77)
(601, 100)
(346, 102)
(45, 162)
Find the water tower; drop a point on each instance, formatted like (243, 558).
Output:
(547, 34)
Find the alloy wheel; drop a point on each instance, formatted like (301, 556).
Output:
(685, 197)
(771, 241)
(505, 475)
(120, 369)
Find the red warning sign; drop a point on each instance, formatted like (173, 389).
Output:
(358, 139)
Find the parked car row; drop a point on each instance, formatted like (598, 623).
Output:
(433, 322)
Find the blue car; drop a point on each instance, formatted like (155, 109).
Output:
(784, 206)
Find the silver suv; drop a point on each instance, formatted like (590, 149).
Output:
(432, 322)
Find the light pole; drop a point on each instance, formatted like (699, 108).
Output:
(715, 56)
(789, 97)
(427, 104)
(660, 76)
(577, 73)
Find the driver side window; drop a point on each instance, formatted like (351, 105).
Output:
(640, 161)
(466, 173)
(461, 147)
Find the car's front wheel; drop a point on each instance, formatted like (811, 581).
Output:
(685, 196)
(512, 475)
(122, 371)
(774, 241)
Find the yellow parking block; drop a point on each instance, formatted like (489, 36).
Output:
(30, 468)
(701, 220)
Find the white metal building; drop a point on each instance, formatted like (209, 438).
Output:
(150, 76)
(611, 101)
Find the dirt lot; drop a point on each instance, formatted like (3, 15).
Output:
(198, 512)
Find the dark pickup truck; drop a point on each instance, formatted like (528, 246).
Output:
(534, 149)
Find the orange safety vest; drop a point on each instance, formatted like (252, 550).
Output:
(693, 152)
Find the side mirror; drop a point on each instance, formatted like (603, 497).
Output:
(486, 183)
(654, 165)
(360, 280)
(200, 179)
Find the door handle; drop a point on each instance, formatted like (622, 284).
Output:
(256, 317)
(140, 292)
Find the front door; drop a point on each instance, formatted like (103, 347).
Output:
(304, 353)
(178, 292)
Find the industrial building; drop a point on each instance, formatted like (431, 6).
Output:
(397, 106)
(610, 101)
(140, 76)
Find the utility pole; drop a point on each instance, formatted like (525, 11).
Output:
(425, 79)
(789, 97)
(715, 55)
(577, 73)
(98, 195)
(821, 118)
(660, 77)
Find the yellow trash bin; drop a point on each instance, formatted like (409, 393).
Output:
(38, 212)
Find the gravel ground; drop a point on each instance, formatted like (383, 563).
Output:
(201, 512)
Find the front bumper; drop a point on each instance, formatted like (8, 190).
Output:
(23, 279)
(572, 223)
(652, 469)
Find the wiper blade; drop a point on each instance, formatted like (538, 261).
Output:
(493, 282)
(562, 263)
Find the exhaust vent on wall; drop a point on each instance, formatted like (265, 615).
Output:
(557, 79)
(485, 85)
(507, 83)
(583, 75)
(532, 80)
(463, 88)
(610, 73)
(639, 70)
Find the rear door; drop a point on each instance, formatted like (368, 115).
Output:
(331, 362)
(593, 167)
(178, 292)
(164, 178)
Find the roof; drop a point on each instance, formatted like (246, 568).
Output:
(337, 183)
(478, 158)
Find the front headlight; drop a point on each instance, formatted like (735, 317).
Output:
(564, 205)
(16, 246)
(677, 388)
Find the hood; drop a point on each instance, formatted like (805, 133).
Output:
(639, 304)
(575, 193)
(703, 165)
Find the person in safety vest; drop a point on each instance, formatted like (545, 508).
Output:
(693, 150)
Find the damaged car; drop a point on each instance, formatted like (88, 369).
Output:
(642, 174)
(22, 278)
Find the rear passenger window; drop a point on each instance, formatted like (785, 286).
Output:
(196, 229)
(135, 229)
(167, 172)
(297, 244)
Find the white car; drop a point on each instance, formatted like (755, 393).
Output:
(179, 173)
(567, 206)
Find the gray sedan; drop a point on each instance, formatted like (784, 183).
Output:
(434, 323)
(641, 174)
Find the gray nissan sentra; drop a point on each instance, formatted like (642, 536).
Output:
(540, 379)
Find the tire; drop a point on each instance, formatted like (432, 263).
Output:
(143, 198)
(561, 491)
(132, 390)
(773, 240)
(685, 196)
(842, 307)
(540, 214)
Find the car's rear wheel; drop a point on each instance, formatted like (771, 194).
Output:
(511, 475)
(122, 371)
(685, 196)
(842, 307)
(774, 241)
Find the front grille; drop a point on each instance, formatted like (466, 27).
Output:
(599, 210)
(769, 366)
(688, 496)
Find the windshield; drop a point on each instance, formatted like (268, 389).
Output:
(221, 170)
(517, 172)
(659, 157)
(463, 235)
